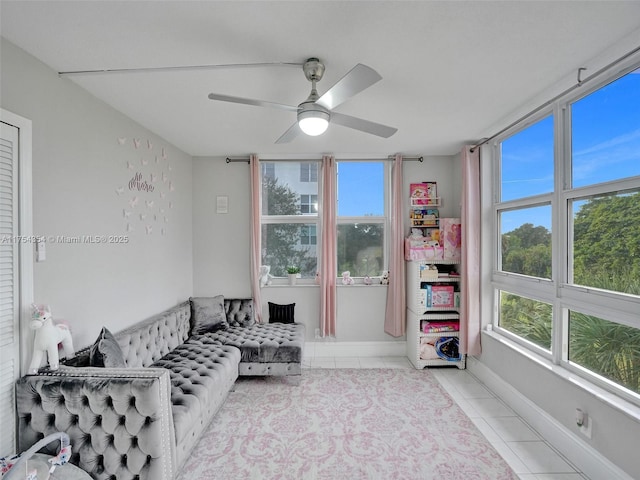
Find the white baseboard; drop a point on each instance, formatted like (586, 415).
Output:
(588, 460)
(330, 348)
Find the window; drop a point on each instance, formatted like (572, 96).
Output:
(308, 235)
(289, 218)
(527, 318)
(605, 133)
(308, 204)
(527, 161)
(604, 241)
(268, 170)
(526, 241)
(361, 217)
(566, 216)
(309, 172)
(290, 221)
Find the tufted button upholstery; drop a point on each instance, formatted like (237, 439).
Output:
(197, 371)
(264, 343)
(141, 422)
(108, 431)
(149, 341)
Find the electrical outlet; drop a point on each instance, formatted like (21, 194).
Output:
(584, 423)
(317, 335)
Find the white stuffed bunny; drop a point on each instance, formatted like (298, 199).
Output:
(346, 278)
(47, 338)
(265, 276)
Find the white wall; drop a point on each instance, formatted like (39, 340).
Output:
(78, 165)
(221, 247)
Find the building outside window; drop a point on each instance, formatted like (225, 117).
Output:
(309, 172)
(308, 204)
(566, 218)
(289, 218)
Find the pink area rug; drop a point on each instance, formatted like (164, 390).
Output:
(351, 424)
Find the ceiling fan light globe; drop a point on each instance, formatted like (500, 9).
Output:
(313, 123)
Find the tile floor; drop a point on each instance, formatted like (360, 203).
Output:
(528, 454)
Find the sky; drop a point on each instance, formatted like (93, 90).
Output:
(605, 139)
(360, 188)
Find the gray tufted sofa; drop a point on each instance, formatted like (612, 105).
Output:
(142, 421)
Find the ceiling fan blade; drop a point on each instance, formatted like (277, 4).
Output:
(249, 101)
(175, 68)
(362, 125)
(290, 134)
(356, 80)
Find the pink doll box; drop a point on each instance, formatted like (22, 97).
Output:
(451, 238)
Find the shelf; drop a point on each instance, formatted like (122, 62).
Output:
(420, 364)
(449, 315)
(440, 279)
(438, 334)
(415, 336)
(433, 202)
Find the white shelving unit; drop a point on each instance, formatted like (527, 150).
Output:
(419, 310)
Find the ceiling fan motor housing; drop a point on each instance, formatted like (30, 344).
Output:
(313, 69)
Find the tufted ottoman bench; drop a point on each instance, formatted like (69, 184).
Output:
(265, 349)
(273, 349)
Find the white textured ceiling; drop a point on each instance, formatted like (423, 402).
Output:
(450, 69)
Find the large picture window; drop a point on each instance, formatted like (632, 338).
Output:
(566, 216)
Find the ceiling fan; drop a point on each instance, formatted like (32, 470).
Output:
(315, 113)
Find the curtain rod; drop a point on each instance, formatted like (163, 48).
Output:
(390, 157)
(579, 84)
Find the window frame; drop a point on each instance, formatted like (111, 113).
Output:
(563, 295)
(316, 218)
(299, 219)
(383, 220)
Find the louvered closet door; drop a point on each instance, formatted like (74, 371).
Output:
(9, 295)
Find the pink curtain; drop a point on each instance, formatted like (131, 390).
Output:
(256, 240)
(328, 256)
(470, 288)
(394, 321)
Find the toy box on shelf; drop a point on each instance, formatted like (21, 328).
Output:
(424, 193)
(451, 238)
(435, 244)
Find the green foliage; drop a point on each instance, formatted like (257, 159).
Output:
(527, 318)
(360, 249)
(527, 250)
(606, 255)
(609, 349)
(278, 199)
(281, 242)
(606, 246)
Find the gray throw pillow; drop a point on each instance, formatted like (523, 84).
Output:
(281, 313)
(106, 351)
(207, 314)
